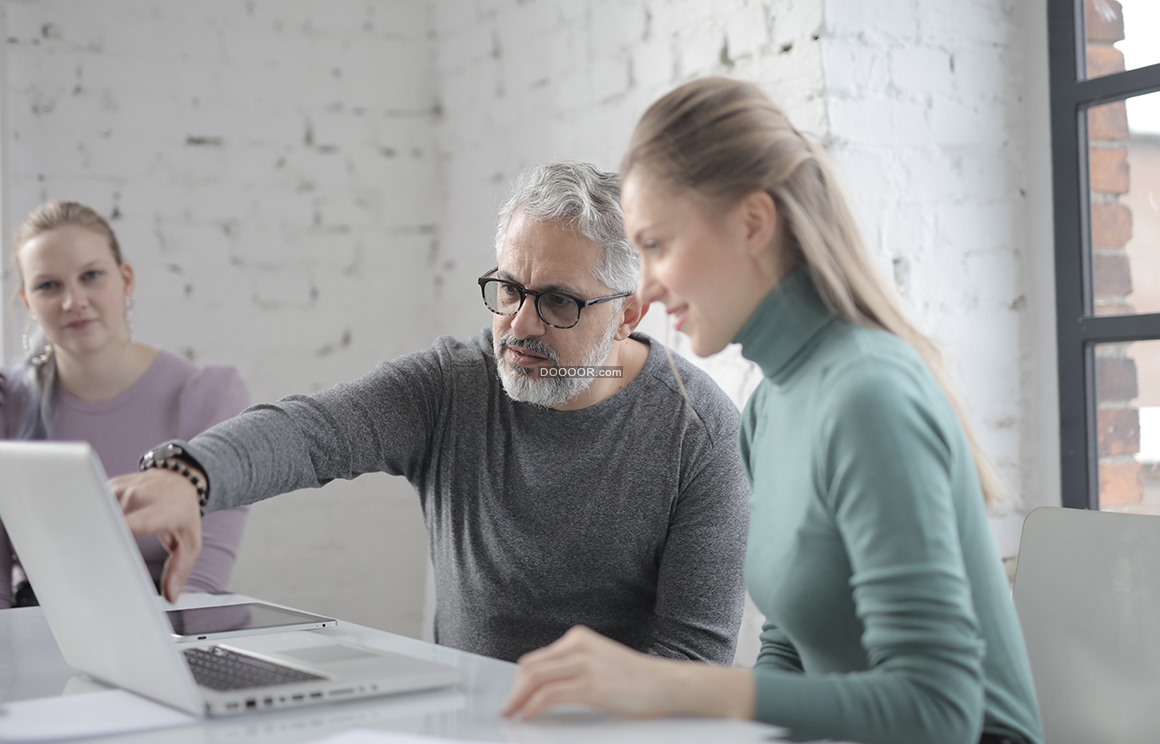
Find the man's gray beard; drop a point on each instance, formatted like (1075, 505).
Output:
(524, 384)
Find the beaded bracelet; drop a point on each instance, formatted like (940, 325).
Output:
(181, 469)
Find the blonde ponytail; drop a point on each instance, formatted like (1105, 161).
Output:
(724, 139)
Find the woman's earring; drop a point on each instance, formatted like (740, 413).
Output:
(26, 341)
(129, 315)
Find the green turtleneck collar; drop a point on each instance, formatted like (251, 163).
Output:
(783, 324)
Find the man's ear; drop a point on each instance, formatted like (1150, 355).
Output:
(632, 312)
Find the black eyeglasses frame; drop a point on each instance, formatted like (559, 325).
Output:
(488, 278)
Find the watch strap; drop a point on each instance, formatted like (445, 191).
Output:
(172, 456)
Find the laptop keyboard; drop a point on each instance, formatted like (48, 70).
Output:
(221, 669)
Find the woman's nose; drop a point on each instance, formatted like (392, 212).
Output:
(649, 290)
(73, 298)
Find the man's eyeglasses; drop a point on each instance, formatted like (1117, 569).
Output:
(557, 309)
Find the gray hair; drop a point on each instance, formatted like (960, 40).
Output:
(584, 197)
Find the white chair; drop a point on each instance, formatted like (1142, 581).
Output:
(1087, 590)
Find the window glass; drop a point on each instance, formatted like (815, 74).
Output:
(1121, 35)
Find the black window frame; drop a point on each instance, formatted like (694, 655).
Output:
(1078, 332)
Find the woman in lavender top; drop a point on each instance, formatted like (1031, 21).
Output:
(84, 378)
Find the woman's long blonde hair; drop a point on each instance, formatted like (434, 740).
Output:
(723, 139)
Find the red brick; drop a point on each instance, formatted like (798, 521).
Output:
(1111, 276)
(1108, 121)
(1097, 23)
(1119, 431)
(1111, 225)
(1103, 60)
(1115, 379)
(1120, 483)
(1108, 167)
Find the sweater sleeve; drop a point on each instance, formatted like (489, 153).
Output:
(213, 394)
(885, 478)
(382, 421)
(701, 583)
(777, 651)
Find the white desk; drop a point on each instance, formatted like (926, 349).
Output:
(31, 667)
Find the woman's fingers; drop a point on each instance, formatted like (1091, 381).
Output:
(585, 668)
(543, 670)
(569, 691)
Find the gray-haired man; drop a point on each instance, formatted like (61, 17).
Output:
(552, 497)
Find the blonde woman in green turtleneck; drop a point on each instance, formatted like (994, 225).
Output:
(889, 619)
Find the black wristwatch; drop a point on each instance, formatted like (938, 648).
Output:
(172, 456)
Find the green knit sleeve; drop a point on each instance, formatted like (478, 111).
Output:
(777, 652)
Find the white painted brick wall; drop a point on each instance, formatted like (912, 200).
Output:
(919, 104)
(522, 95)
(923, 101)
(919, 110)
(358, 140)
(273, 245)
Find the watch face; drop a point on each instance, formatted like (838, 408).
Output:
(165, 451)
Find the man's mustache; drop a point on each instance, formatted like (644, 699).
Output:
(530, 344)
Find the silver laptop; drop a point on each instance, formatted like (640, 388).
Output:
(100, 602)
(1087, 590)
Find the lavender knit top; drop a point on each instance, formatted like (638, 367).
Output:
(174, 399)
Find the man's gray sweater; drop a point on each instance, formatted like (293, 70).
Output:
(629, 516)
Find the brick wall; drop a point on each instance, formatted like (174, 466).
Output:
(924, 102)
(1117, 415)
(514, 94)
(917, 102)
(270, 168)
(922, 105)
(272, 162)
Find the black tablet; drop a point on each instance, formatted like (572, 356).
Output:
(248, 618)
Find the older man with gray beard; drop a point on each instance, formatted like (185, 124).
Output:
(568, 473)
